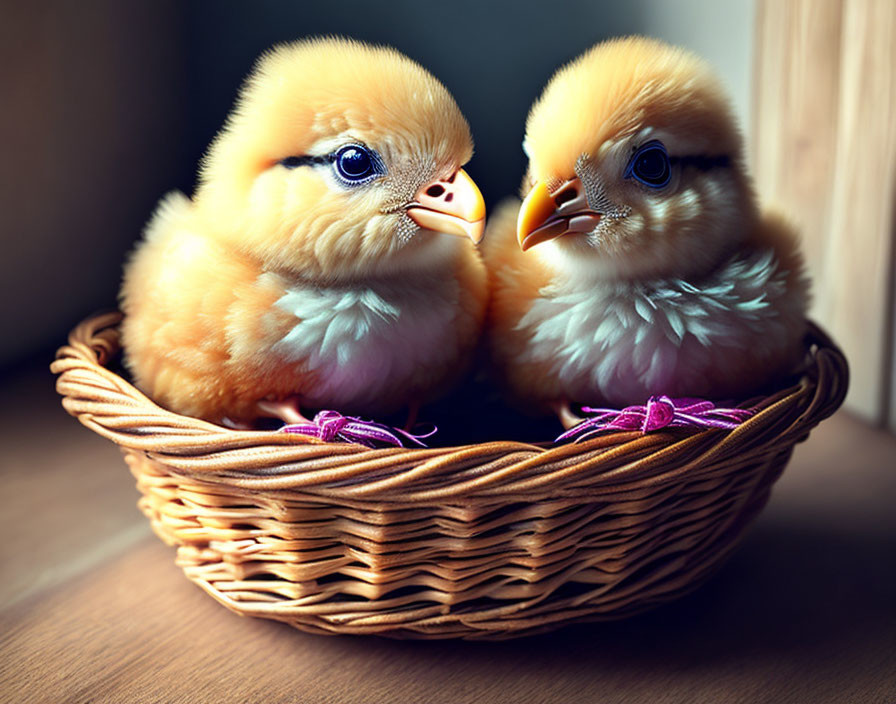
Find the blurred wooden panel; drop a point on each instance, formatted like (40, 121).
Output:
(861, 250)
(796, 81)
(824, 122)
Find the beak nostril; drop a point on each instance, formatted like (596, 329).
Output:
(451, 180)
(565, 196)
(449, 198)
(435, 191)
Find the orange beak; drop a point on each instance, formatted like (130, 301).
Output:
(453, 206)
(546, 215)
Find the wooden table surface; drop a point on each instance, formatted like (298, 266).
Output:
(93, 609)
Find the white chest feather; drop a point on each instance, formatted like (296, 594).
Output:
(362, 341)
(629, 340)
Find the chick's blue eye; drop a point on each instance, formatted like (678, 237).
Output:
(650, 165)
(355, 163)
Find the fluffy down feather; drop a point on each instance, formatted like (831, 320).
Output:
(277, 281)
(682, 289)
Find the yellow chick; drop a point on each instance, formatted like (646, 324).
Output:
(639, 263)
(327, 259)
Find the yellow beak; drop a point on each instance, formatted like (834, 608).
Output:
(546, 215)
(453, 206)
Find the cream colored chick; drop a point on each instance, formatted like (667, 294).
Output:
(639, 263)
(327, 259)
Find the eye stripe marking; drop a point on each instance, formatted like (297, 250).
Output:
(292, 162)
(702, 162)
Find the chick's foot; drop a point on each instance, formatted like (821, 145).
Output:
(288, 410)
(565, 415)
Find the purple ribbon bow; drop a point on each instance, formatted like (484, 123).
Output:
(660, 412)
(331, 426)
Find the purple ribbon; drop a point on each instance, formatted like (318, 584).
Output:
(660, 412)
(331, 426)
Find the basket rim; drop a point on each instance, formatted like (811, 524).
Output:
(270, 460)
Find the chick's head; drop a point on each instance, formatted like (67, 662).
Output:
(341, 160)
(635, 165)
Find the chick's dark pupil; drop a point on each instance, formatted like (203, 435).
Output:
(652, 165)
(354, 163)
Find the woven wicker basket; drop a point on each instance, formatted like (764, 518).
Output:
(484, 541)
